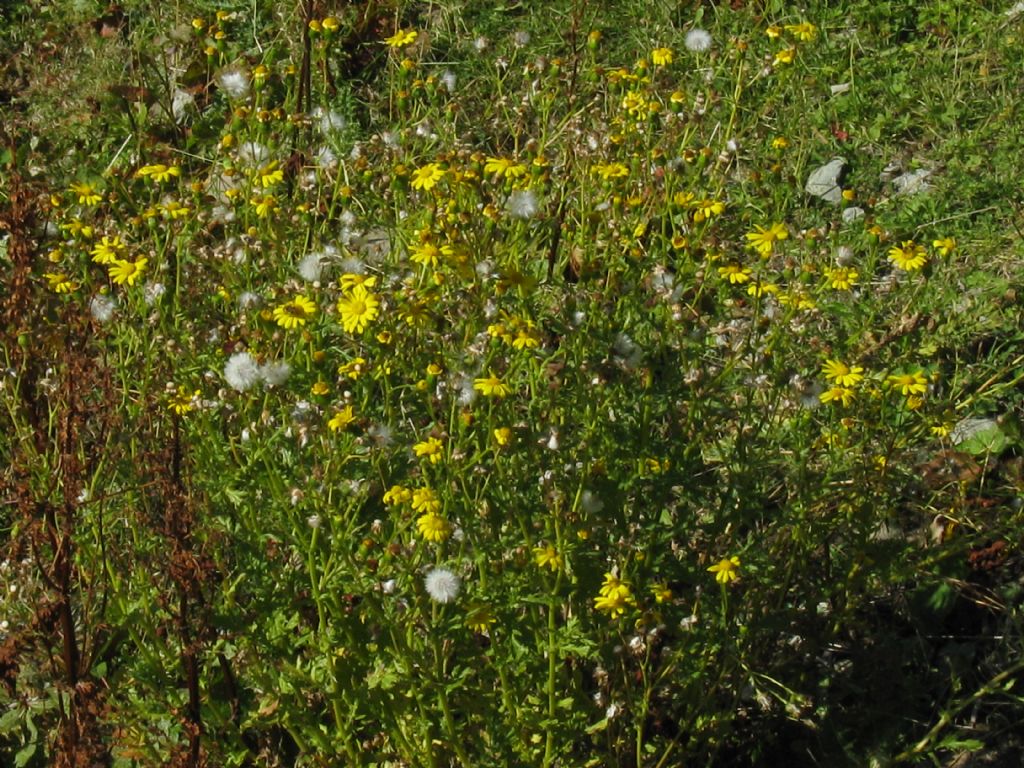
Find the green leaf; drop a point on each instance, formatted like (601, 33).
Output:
(25, 754)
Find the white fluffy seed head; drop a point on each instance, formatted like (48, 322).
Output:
(442, 585)
(241, 371)
(697, 40)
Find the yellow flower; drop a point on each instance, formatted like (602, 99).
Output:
(757, 290)
(350, 280)
(909, 384)
(269, 175)
(774, 31)
(397, 494)
(401, 38)
(944, 246)
(183, 401)
(735, 274)
(342, 419)
(108, 250)
(491, 386)
(841, 278)
(425, 500)
(780, 142)
(159, 173)
(87, 194)
(172, 209)
(842, 374)
(480, 618)
(330, 24)
(426, 178)
(908, 256)
(763, 240)
(60, 283)
(320, 388)
(432, 448)
(786, 56)
(839, 394)
(705, 209)
(433, 527)
(265, 205)
(661, 592)
(804, 31)
(661, 56)
(504, 167)
(726, 570)
(610, 170)
(614, 596)
(353, 368)
(429, 255)
(294, 314)
(547, 557)
(502, 436)
(127, 272)
(358, 308)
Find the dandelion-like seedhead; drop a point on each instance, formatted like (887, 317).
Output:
(697, 40)
(242, 371)
(442, 585)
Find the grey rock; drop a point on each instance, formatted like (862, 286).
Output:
(824, 181)
(912, 183)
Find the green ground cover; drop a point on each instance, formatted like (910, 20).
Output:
(488, 384)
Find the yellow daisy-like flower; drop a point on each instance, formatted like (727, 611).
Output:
(320, 388)
(726, 570)
(294, 314)
(431, 448)
(706, 208)
(433, 527)
(425, 500)
(265, 205)
(842, 374)
(837, 394)
(661, 592)
(172, 209)
(661, 56)
(547, 556)
(341, 420)
(763, 240)
(786, 56)
(614, 597)
(804, 31)
(611, 170)
(480, 618)
(125, 272)
(944, 246)
(909, 384)
(735, 274)
(491, 386)
(397, 494)
(758, 289)
(426, 177)
(908, 256)
(60, 283)
(502, 436)
(358, 308)
(159, 172)
(401, 38)
(504, 167)
(183, 401)
(87, 194)
(841, 278)
(429, 255)
(269, 175)
(350, 280)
